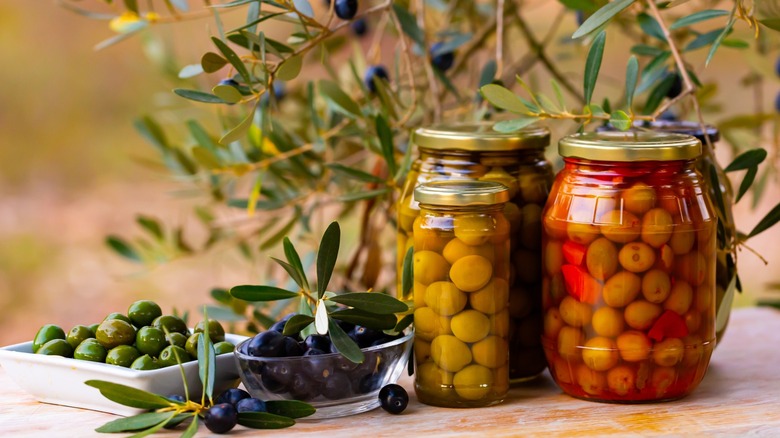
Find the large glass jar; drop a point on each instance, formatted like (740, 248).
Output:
(461, 294)
(476, 152)
(629, 268)
(726, 271)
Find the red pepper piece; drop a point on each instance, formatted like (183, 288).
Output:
(574, 253)
(580, 284)
(669, 325)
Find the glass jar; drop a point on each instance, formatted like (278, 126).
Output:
(461, 294)
(726, 268)
(629, 268)
(476, 152)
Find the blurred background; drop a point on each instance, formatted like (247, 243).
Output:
(73, 169)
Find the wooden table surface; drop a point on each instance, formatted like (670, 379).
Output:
(739, 395)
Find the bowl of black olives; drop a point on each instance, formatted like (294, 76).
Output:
(309, 368)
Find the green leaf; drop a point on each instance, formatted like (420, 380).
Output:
(488, 73)
(715, 184)
(747, 159)
(289, 408)
(121, 246)
(735, 43)
(407, 276)
(405, 322)
(514, 125)
(251, 25)
(154, 428)
(658, 94)
(344, 344)
(261, 293)
(129, 396)
(290, 68)
(338, 99)
(374, 302)
(409, 24)
(354, 173)
(239, 130)
(205, 158)
(767, 222)
(207, 362)
(295, 261)
(620, 120)
(296, 324)
(264, 420)
(747, 181)
(501, 97)
(327, 255)
(151, 225)
(593, 63)
(282, 232)
(152, 132)
(221, 296)
(201, 136)
(650, 26)
(719, 40)
(385, 135)
(558, 94)
(136, 422)
(632, 71)
(224, 314)
(645, 50)
(131, 5)
(580, 5)
(290, 270)
(211, 62)
(198, 96)
(366, 319)
(304, 308)
(697, 17)
(192, 429)
(234, 60)
(227, 93)
(703, 40)
(601, 16)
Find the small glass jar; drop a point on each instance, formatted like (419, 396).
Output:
(461, 294)
(476, 152)
(629, 268)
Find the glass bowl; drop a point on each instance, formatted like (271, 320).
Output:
(331, 383)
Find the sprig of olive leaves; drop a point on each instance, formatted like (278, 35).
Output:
(167, 413)
(320, 310)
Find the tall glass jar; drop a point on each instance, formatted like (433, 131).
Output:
(476, 152)
(461, 294)
(726, 271)
(629, 268)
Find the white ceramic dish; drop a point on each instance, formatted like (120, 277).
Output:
(60, 380)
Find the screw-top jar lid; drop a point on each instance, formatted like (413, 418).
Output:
(673, 126)
(461, 193)
(479, 136)
(630, 146)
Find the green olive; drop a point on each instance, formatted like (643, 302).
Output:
(122, 355)
(223, 347)
(657, 227)
(143, 312)
(621, 289)
(620, 226)
(601, 258)
(45, 334)
(533, 187)
(90, 350)
(93, 328)
(176, 338)
(113, 332)
(78, 334)
(582, 233)
(639, 198)
(514, 215)
(173, 355)
(56, 347)
(636, 257)
(216, 332)
(656, 285)
(499, 175)
(191, 346)
(682, 239)
(144, 363)
(119, 316)
(150, 340)
(171, 324)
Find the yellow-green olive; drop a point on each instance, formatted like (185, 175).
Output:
(656, 285)
(455, 249)
(582, 233)
(661, 379)
(601, 258)
(607, 321)
(499, 323)
(692, 267)
(408, 211)
(499, 175)
(570, 339)
(683, 238)
(668, 352)
(429, 267)
(592, 382)
(575, 313)
(634, 346)
(445, 298)
(427, 238)
(514, 215)
(621, 379)
(492, 298)
(600, 354)
(642, 314)
(553, 323)
(621, 289)
(639, 198)
(563, 370)
(620, 226)
(705, 295)
(657, 227)
(553, 257)
(533, 187)
(680, 298)
(636, 257)
(450, 353)
(474, 229)
(471, 273)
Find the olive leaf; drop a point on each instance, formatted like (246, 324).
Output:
(601, 16)
(374, 302)
(129, 396)
(364, 318)
(593, 64)
(502, 98)
(122, 248)
(631, 77)
(261, 293)
(407, 277)
(343, 343)
(264, 420)
(385, 135)
(767, 221)
(747, 181)
(136, 422)
(207, 359)
(747, 159)
(289, 408)
(296, 324)
(697, 17)
(295, 261)
(327, 255)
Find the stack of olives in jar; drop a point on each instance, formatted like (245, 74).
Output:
(461, 294)
(476, 152)
(144, 339)
(629, 268)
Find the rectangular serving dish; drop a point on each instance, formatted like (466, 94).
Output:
(60, 380)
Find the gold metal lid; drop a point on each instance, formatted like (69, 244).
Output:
(479, 136)
(630, 146)
(461, 193)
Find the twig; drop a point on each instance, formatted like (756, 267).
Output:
(428, 66)
(538, 50)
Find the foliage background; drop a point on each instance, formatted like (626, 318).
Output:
(73, 169)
